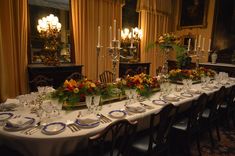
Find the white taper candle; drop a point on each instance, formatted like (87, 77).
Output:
(114, 30)
(189, 42)
(209, 46)
(203, 43)
(199, 41)
(110, 36)
(195, 45)
(98, 36)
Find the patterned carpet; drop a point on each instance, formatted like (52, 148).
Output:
(224, 147)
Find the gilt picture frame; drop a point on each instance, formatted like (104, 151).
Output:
(193, 14)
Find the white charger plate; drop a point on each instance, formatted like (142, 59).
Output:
(117, 113)
(159, 102)
(9, 127)
(186, 94)
(138, 109)
(5, 116)
(88, 124)
(171, 98)
(53, 128)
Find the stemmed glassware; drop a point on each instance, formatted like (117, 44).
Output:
(187, 84)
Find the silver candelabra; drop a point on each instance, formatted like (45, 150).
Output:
(197, 53)
(114, 52)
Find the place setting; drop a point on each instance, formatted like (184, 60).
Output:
(19, 123)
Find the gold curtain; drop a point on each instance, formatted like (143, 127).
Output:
(154, 20)
(13, 48)
(87, 15)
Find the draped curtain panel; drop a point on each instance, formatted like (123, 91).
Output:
(13, 48)
(87, 15)
(154, 20)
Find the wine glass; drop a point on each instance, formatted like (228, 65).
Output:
(88, 103)
(96, 101)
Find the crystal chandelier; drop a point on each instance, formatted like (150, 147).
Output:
(49, 29)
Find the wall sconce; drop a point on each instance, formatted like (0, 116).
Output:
(49, 29)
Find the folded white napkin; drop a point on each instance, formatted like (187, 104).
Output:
(194, 91)
(89, 119)
(19, 122)
(10, 104)
(11, 101)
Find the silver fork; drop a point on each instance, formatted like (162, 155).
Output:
(73, 127)
(104, 119)
(33, 130)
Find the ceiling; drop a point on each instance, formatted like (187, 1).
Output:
(58, 4)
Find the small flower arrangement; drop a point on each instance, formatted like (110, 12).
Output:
(143, 83)
(179, 75)
(168, 41)
(202, 71)
(194, 74)
(75, 91)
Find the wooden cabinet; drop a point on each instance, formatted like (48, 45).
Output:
(221, 67)
(50, 75)
(126, 68)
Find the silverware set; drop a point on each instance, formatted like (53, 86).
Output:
(73, 127)
(104, 119)
(33, 130)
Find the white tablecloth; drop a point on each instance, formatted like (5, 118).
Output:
(66, 142)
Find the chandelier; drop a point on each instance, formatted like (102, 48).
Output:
(49, 30)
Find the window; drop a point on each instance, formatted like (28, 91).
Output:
(43, 8)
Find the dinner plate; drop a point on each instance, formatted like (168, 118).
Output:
(135, 109)
(87, 123)
(207, 88)
(171, 98)
(54, 128)
(10, 127)
(159, 102)
(117, 113)
(186, 95)
(194, 91)
(5, 116)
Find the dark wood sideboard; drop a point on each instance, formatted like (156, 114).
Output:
(220, 67)
(50, 75)
(126, 68)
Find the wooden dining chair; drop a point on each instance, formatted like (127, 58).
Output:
(106, 77)
(191, 124)
(76, 76)
(156, 141)
(40, 81)
(114, 140)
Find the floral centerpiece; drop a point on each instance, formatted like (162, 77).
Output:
(179, 75)
(194, 74)
(202, 71)
(143, 83)
(73, 91)
(167, 41)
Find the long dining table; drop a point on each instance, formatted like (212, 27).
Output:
(40, 144)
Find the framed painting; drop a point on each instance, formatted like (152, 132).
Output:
(193, 13)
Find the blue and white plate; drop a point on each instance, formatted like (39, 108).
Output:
(87, 123)
(117, 113)
(54, 128)
(5, 116)
(159, 102)
(10, 127)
